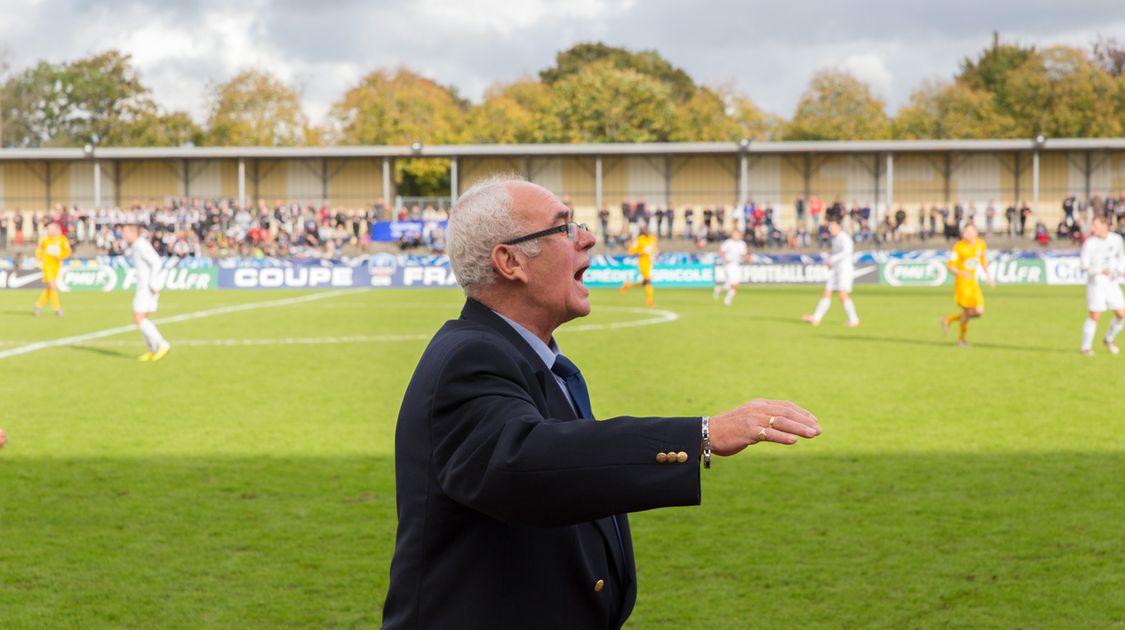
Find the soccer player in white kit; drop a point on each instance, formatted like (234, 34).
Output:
(841, 276)
(149, 281)
(733, 252)
(1103, 260)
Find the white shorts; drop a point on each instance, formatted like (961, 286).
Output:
(733, 274)
(840, 278)
(145, 301)
(1104, 296)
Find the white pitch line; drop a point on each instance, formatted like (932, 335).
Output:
(277, 341)
(117, 330)
(659, 317)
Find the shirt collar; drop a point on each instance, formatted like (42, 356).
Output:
(546, 352)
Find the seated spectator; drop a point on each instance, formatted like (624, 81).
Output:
(1042, 236)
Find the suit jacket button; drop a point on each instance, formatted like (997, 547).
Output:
(661, 458)
(599, 585)
(681, 457)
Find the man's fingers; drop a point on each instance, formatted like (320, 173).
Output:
(793, 427)
(773, 435)
(789, 410)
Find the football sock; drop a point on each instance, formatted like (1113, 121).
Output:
(822, 308)
(730, 297)
(849, 308)
(718, 289)
(952, 318)
(42, 298)
(53, 294)
(1114, 328)
(964, 331)
(152, 335)
(648, 293)
(1089, 328)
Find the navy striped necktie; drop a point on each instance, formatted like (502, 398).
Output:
(576, 385)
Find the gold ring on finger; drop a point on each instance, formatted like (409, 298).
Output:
(762, 435)
(772, 418)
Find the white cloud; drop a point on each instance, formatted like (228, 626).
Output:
(870, 68)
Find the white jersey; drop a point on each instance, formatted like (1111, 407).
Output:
(842, 250)
(733, 251)
(841, 275)
(1100, 254)
(150, 278)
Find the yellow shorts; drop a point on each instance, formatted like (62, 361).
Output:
(646, 271)
(50, 274)
(968, 295)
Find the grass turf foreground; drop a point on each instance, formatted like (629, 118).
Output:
(247, 479)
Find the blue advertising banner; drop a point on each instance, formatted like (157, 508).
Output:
(394, 230)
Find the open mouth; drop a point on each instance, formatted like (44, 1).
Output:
(581, 270)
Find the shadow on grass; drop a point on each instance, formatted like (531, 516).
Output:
(116, 354)
(194, 542)
(948, 343)
(912, 540)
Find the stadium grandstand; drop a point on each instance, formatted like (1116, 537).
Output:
(324, 201)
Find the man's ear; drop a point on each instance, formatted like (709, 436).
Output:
(510, 263)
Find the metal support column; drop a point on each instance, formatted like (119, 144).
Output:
(387, 197)
(97, 185)
(185, 178)
(875, 207)
(890, 181)
(241, 182)
(454, 187)
(598, 183)
(324, 180)
(1035, 181)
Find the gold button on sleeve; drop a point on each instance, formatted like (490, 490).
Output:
(599, 585)
(681, 457)
(661, 458)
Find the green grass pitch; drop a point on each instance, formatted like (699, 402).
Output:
(247, 480)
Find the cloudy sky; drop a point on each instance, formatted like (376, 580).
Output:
(767, 50)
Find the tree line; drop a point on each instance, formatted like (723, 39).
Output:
(593, 93)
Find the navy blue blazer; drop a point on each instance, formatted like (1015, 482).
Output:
(505, 498)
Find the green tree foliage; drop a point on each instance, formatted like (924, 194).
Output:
(398, 107)
(605, 103)
(952, 110)
(255, 108)
(990, 71)
(401, 107)
(1060, 94)
(838, 106)
(646, 62)
(518, 112)
(96, 99)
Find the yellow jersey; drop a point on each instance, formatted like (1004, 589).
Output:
(644, 248)
(968, 258)
(51, 252)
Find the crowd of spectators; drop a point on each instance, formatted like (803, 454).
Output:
(201, 227)
(761, 227)
(188, 227)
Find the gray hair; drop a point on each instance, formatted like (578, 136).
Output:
(480, 220)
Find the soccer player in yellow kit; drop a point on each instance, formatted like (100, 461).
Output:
(52, 250)
(644, 248)
(965, 262)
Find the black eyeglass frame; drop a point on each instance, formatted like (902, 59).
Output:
(565, 227)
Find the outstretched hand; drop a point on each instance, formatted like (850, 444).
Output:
(761, 420)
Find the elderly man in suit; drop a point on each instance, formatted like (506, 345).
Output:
(512, 501)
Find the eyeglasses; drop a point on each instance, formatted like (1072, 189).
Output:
(570, 228)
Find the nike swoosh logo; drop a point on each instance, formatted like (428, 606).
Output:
(15, 282)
